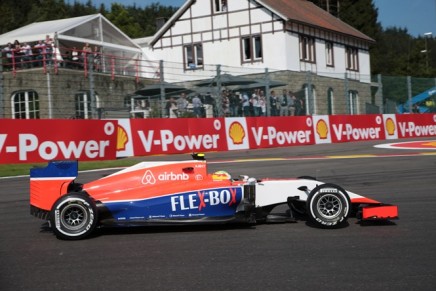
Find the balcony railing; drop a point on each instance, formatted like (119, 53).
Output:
(16, 60)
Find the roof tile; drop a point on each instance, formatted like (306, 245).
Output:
(306, 12)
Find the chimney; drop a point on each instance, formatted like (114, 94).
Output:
(160, 21)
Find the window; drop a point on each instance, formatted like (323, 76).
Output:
(307, 49)
(329, 54)
(252, 49)
(353, 102)
(25, 105)
(352, 58)
(219, 6)
(330, 100)
(193, 56)
(83, 104)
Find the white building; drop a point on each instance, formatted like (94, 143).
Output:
(290, 35)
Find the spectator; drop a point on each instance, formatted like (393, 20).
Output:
(262, 103)
(299, 107)
(245, 105)
(182, 104)
(171, 108)
(197, 106)
(273, 101)
(284, 103)
(292, 102)
(86, 51)
(49, 49)
(234, 104)
(8, 51)
(209, 100)
(17, 54)
(39, 48)
(255, 103)
(224, 5)
(75, 58)
(226, 103)
(27, 55)
(97, 59)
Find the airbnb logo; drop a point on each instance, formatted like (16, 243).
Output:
(148, 178)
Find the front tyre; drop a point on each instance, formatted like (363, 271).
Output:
(328, 206)
(73, 216)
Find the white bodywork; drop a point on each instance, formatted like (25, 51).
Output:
(270, 192)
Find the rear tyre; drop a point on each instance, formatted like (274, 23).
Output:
(328, 206)
(73, 216)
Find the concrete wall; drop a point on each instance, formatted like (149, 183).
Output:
(63, 86)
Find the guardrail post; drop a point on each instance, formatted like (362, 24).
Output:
(2, 112)
(162, 88)
(267, 95)
(219, 100)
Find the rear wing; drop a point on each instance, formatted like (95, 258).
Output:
(48, 183)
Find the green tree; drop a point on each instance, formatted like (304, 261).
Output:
(121, 18)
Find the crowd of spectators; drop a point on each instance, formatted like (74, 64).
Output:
(235, 104)
(27, 55)
(254, 104)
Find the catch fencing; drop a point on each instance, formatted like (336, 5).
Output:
(96, 86)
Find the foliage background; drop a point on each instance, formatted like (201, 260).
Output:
(395, 53)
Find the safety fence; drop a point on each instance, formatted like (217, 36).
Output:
(71, 83)
(28, 141)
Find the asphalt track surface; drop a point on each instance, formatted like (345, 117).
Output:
(396, 256)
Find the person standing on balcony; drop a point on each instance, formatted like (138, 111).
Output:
(75, 58)
(86, 51)
(18, 54)
(39, 48)
(27, 55)
(48, 50)
(97, 59)
(7, 56)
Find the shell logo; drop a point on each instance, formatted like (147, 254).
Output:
(322, 129)
(122, 138)
(390, 126)
(237, 133)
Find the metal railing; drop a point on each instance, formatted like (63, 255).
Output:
(317, 93)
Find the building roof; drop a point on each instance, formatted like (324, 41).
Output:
(306, 12)
(301, 11)
(94, 29)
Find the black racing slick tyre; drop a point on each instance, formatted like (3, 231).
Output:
(328, 206)
(73, 216)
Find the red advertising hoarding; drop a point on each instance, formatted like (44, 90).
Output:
(24, 141)
(268, 132)
(416, 125)
(347, 128)
(184, 135)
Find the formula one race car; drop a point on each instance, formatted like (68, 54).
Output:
(183, 192)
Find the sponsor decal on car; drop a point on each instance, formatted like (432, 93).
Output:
(149, 177)
(207, 202)
(203, 199)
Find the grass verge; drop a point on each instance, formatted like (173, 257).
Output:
(23, 169)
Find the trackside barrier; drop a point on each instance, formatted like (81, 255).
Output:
(25, 141)
(28, 141)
